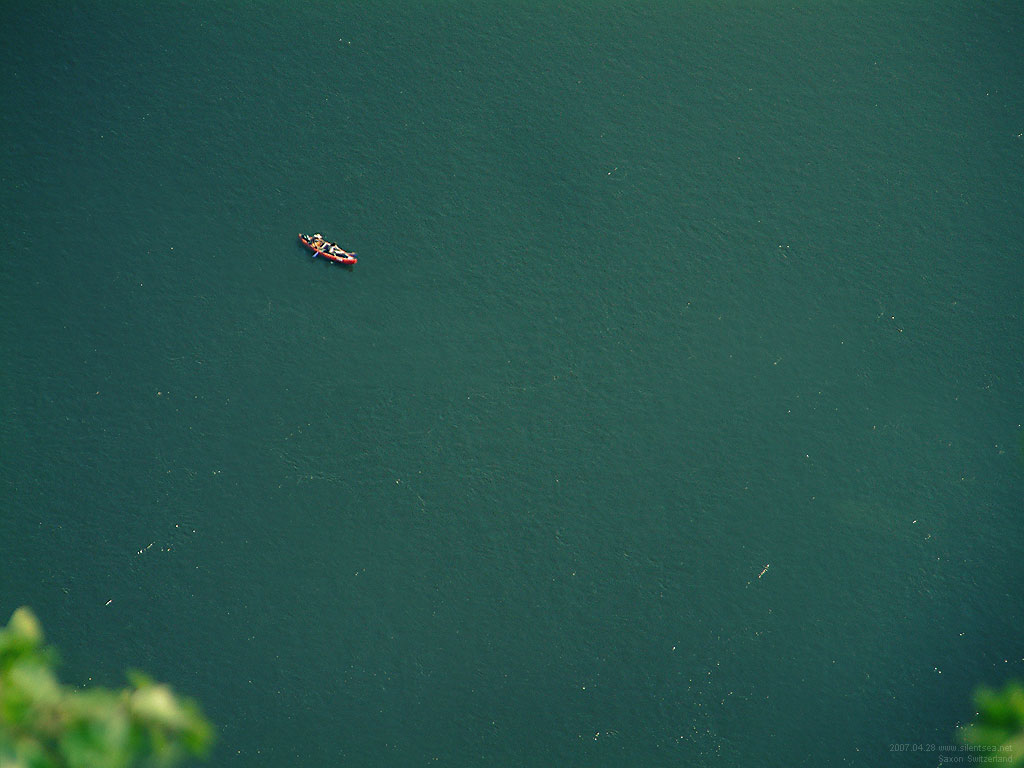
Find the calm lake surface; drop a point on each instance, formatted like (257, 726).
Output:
(671, 416)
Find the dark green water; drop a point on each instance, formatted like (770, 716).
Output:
(651, 297)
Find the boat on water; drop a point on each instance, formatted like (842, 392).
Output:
(330, 251)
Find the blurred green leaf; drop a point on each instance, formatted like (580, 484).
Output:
(44, 724)
(998, 729)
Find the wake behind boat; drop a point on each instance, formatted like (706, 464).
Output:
(330, 251)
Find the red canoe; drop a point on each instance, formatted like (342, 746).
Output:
(327, 249)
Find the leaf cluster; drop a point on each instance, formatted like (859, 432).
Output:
(998, 729)
(44, 724)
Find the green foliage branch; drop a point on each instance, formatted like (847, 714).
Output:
(996, 736)
(44, 724)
